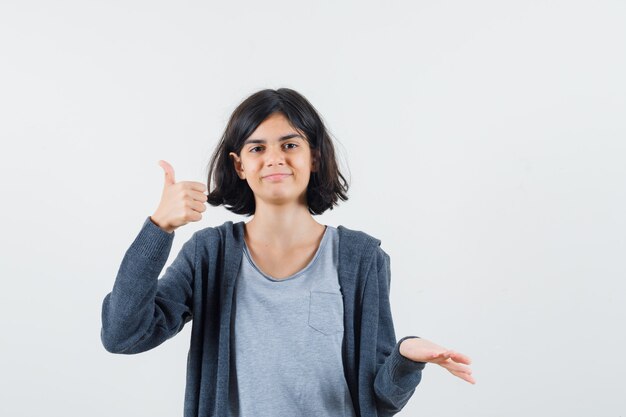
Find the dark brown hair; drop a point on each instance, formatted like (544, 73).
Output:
(326, 185)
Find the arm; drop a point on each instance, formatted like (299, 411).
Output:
(142, 311)
(397, 376)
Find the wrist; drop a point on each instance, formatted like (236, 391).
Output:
(406, 346)
(161, 225)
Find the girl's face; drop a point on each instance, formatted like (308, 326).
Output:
(276, 161)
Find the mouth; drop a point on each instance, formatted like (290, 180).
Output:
(275, 177)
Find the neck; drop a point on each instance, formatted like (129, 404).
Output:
(282, 226)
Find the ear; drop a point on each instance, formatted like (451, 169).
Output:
(237, 165)
(314, 162)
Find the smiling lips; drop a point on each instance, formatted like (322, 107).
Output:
(275, 177)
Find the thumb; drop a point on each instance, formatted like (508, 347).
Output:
(169, 173)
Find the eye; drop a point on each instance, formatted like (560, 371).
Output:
(287, 144)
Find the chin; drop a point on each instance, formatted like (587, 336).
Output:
(280, 198)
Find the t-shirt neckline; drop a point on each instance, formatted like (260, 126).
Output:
(296, 274)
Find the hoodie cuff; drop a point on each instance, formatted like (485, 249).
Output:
(152, 241)
(405, 372)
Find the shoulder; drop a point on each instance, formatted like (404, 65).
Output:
(357, 236)
(226, 231)
(363, 243)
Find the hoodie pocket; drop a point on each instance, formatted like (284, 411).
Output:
(326, 312)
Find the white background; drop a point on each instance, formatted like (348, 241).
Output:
(484, 142)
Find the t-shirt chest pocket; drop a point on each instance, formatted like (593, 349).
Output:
(326, 312)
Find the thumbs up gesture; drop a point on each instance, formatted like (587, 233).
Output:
(181, 202)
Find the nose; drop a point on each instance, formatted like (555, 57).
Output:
(274, 156)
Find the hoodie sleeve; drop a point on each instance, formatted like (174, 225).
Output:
(142, 311)
(398, 376)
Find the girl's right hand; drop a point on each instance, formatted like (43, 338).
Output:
(181, 202)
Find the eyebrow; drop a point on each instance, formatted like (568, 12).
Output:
(282, 138)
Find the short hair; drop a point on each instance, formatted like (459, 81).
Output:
(326, 184)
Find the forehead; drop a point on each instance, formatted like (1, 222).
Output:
(275, 127)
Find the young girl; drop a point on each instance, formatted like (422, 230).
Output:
(290, 317)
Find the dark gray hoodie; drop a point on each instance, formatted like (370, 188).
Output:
(142, 311)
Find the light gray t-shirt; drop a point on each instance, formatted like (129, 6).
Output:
(286, 346)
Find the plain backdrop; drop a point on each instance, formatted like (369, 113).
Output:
(484, 142)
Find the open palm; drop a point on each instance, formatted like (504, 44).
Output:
(422, 350)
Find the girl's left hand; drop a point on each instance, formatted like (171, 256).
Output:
(422, 350)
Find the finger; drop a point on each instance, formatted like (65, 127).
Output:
(457, 367)
(466, 377)
(197, 186)
(169, 173)
(198, 206)
(192, 186)
(459, 357)
(199, 196)
(439, 355)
